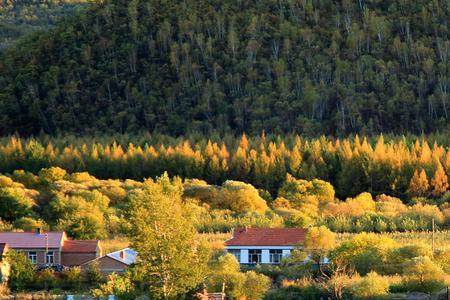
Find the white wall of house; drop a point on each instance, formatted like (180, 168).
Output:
(265, 252)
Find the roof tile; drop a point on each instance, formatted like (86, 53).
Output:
(267, 237)
(79, 246)
(30, 240)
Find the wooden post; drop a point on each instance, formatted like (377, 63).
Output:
(433, 236)
(223, 291)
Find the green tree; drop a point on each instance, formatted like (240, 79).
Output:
(255, 285)
(318, 243)
(170, 259)
(22, 273)
(365, 252)
(14, 204)
(422, 274)
(225, 276)
(240, 197)
(52, 174)
(120, 286)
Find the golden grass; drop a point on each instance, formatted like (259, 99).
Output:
(114, 244)
(442, 238)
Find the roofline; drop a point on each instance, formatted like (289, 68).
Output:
(263, 245)
(43, 233)
(106, 255)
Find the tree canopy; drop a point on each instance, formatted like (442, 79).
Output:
(309, 67)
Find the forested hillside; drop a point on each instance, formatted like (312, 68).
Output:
(306, 66)
(19, 17)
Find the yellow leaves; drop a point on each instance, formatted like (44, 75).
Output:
(319, 238)
(353, 207)
(439, 183)
(389, 206)
(418, 186)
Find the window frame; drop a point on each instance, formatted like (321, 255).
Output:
(32, 256)
(254, 253)
(275, 253)
(50, 254)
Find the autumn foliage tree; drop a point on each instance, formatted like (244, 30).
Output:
(418, 186)
(439, 183)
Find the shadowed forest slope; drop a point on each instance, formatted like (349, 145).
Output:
(19, 17)
(310, 67)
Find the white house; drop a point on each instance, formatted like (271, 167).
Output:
(264, 245)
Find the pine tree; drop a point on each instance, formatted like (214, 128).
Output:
(439, 183)
(418, 186)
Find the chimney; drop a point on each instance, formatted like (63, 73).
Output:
(122, 254)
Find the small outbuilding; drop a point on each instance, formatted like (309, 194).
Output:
(116, 262)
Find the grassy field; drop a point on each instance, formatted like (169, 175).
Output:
(216, 240)
(114, 244)
(442, 238)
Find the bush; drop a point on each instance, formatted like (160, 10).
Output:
(295, 292)
(255, 285)
(372, 286)
(423, 275)
(46, 280)
(71, 279)
(120, 286)
(22, 274)
(93, 276)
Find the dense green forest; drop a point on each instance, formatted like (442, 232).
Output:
(310, 67)
(20, 17)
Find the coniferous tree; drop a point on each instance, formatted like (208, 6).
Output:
(439, 183)
(418, 186)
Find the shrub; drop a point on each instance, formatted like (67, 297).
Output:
(120, 286)
(293, 292)
(71, 279)
(46, 280)
(22, 273)
(423, 275)
(93, 276)
(370, 286)
(255, 285)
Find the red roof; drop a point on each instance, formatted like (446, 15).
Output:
(31, 240)
(266, 237)
(78, 246)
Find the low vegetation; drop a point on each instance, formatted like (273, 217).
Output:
(164, 218)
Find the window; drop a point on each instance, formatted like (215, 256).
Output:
(33, 257)
(275, 256)
(236, 253)
(50, 258)
(254, 256)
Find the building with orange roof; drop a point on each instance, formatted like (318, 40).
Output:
(264, 245)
